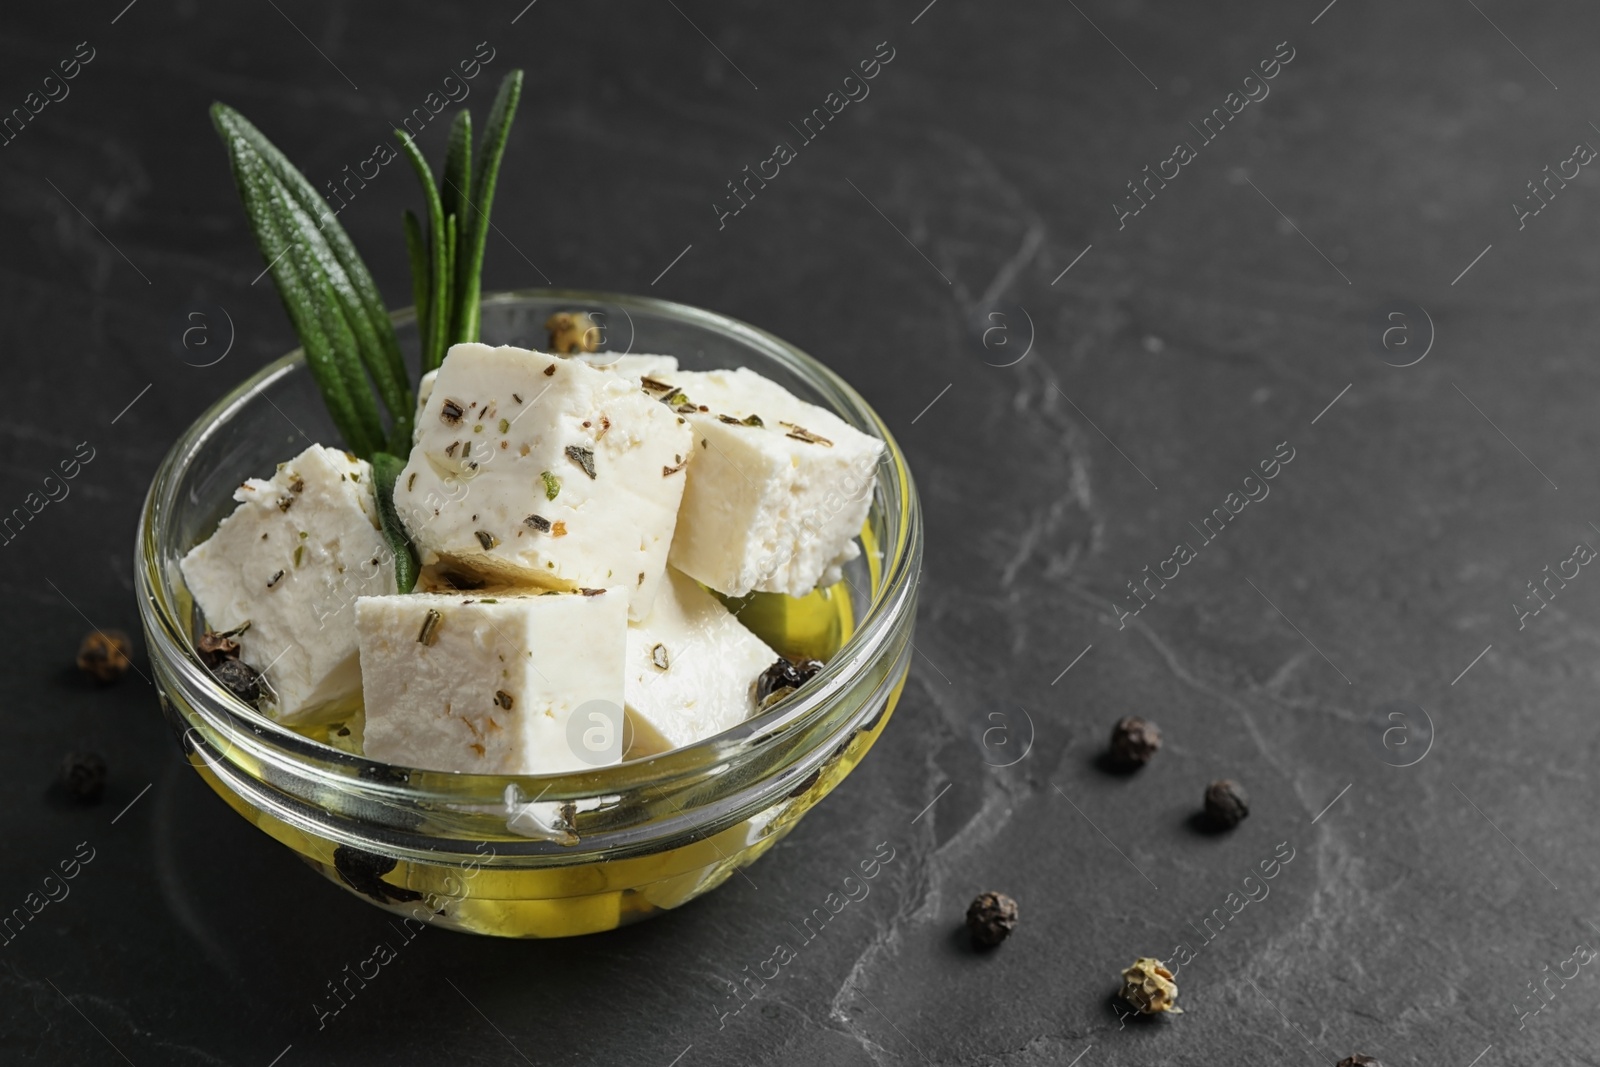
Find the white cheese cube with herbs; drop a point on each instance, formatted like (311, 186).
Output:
(778, 489)
(291, 561)
(692, 668)
(424, 391)
(493, 684)
(632, 365)
(531, 469)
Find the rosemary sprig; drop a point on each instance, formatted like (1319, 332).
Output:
(334, 304)
(386, 470)
(485, 175)
(302, 283)
(447, 269)
(433, 314)
(320, 276)
(457, 164)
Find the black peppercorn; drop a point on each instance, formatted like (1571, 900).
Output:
(103, 655)
(1358, 1060)
(1133, 742)
(240, 679)
(1226, 804)
(83, 774)
(990, 918)
(364, 871)
(774, 679)
(782, 677)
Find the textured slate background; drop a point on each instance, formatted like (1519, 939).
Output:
(1176, 353)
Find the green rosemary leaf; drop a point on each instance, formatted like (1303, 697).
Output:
(452, 245)
(417, 251)
(457, 176)
(457, 183)
(310, 262)
(348, 325)
(233, 126)
(386, 470)
(264, 199)
(481, 202)
(439, 310)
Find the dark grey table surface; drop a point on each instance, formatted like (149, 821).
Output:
(1077, 387)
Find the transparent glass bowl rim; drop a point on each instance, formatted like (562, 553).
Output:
(273, 742)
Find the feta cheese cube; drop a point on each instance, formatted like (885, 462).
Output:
(634, 366)
(530, 469)
(424, 391)
(495, 684)
(692, 669)
(778, 488)
(291, 561)
(628, 365)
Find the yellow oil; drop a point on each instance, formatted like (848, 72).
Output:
(810, 627)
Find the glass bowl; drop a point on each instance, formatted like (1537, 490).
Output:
(534, 855)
